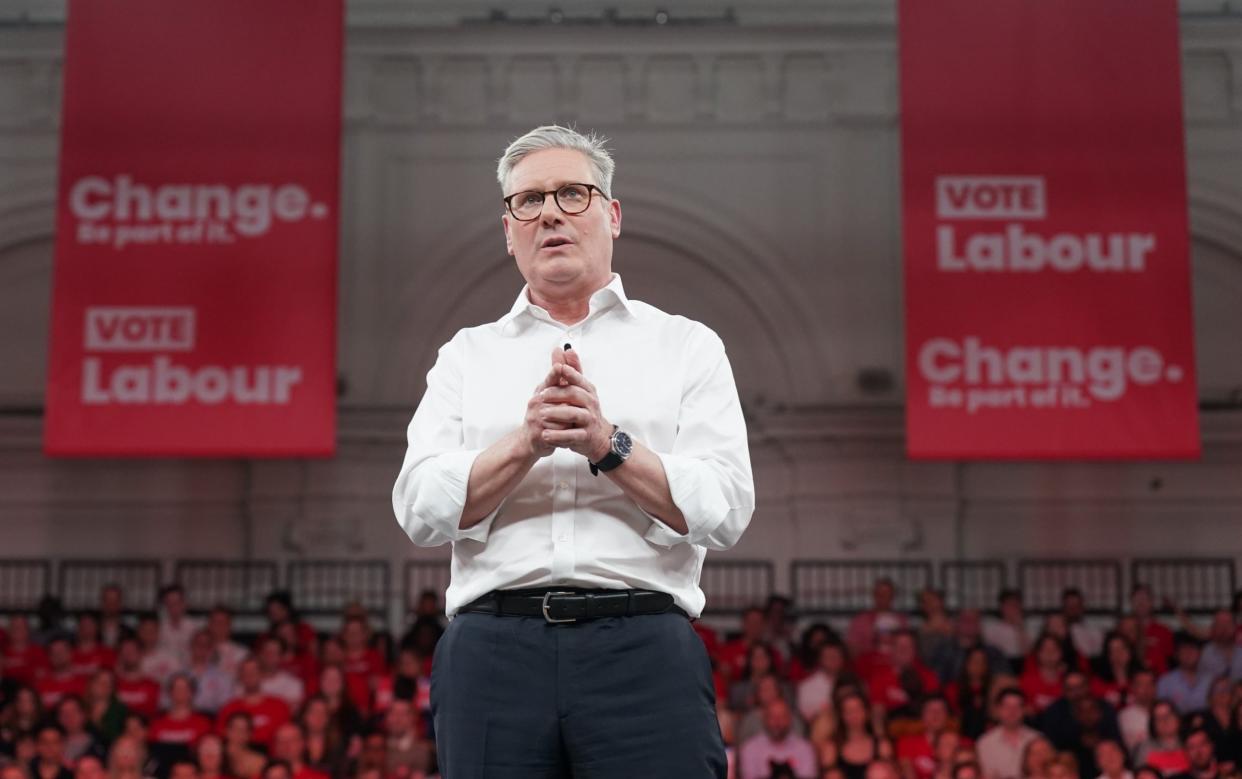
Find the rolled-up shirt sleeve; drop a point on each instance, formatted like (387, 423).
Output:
(430, 492)
(708, 469)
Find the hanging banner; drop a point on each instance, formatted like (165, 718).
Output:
(194, 300)
(1047, 276)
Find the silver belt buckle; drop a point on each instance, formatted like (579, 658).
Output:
(548, 617)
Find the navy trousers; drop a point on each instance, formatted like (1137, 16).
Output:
(519, 698)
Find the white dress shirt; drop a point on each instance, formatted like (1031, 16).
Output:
(663, 379)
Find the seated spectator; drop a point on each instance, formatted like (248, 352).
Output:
(1222, 656)
(267, 712)
(1093, 725)
(1134, 719)
(916, 753)
(1007, 633)
(176, 626)
(180, 728)
(860, 637)
(372, 759)
(935, 628)
(1185, 686)
(1217, 717)
(49, 761)
(760, 663)
(408, 752)
(20, 716)
(344, 715)
(1042, 680)
(89, 767)
(946, 749)
(227, 653)
(209, 755)
(78, 738)
(967, 635)
(1201, 756)
(1056, 626)
(212, 686)
(855, 742)
(815, 691)
(406, 682)
(970, 694)
(137, 691)
(1111, 671)
(298, 659)
(805, 659)
(776, 746)
(104, 710)
(1157, 640)
(240, 758)
(279, 609)
(1163, 748)
(1061, 720)
(1000, 748)
(289, 746)
(1036, 758)
(1064, 766)
(1088, 640)
(735, 652)
(900, 683)
(21, 659)
(155, 661)
(361, 664)
(751, 719)
(128, 759)
(89, 654)
(112, 625)
(778, 630)
(276, 681)
(327, 747)
(1110, 757)
(60, 679)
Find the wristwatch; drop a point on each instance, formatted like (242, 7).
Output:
(620, 446)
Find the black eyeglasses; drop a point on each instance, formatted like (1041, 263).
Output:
(571, 199)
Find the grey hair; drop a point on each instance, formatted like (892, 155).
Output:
(553, 136)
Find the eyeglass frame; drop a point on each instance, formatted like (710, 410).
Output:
(591, 188)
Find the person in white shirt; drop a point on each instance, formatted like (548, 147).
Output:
(1111, 759)
(1000, 749)
(277, 682)
(776, 745)
(1134, 719)
(815, 691)
(1008, 634)
(157, 662)
(588, 483)
(1088, 639)
(228, 653)
(1222, 655)
(177, 628)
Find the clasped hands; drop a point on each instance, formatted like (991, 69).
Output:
(564, 412)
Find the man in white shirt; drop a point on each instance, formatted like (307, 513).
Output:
(1000, 749)
(277, 682)
(176, 626)
(1134, 720)
(1087, 638)
(1222, 656)
(1008, 633)
(585, 485)
(228, 653)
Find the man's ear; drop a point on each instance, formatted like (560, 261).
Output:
(504, 221)
(614, 217)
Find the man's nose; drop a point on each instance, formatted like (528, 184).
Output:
(551, 212)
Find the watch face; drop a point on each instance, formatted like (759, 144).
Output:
(622, 444)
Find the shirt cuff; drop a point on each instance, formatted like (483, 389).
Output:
(696, 494)
(442, 497)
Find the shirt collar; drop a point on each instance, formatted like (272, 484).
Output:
(611, 294)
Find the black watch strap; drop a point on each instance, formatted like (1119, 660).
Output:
(609, 461)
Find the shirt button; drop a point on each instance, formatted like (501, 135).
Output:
(564, 485)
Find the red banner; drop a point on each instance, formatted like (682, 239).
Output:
(194, 306)
(1045, 228)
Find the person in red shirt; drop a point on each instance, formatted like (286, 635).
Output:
(180, 725)
(298, 659)
(21, 659)
(1112, 670)
(267, 712)
(1042, 680)
(289, 745)
(279, 610)
(904, 679)
(139, 693)
(89, 653)
(916, 753)
(863, 630)
(60, 679)
(1157, 639)
(733, 653)
(362, 664)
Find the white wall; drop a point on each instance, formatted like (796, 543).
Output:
(758, 171)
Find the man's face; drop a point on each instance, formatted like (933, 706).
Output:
(1140, 603)
(249, 676)
(399, 719)
(1076, 687)
(110, 601)
(1110, 758)
(1199, 751)
(220, 625)
(1188, 657)
(1223, 629)
(269, 656)
(776, 720)
(287, 743)
(935, 716)
(88, 767)
(59, 655)
(883, 596)
(1143, 688)
(174, 604)
(1072, 606)
(968, 626)
(50, 746)
(1009, 711)
(904, 650)
(753, 624)
(584, 262)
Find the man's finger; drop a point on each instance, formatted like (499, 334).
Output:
(575, 377)
(565, 437)
(571, 395)
(573, 360)
(553, 379)
(569, 416)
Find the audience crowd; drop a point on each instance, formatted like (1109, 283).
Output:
(889, 695)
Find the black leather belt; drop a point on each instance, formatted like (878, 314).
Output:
(573, 605)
